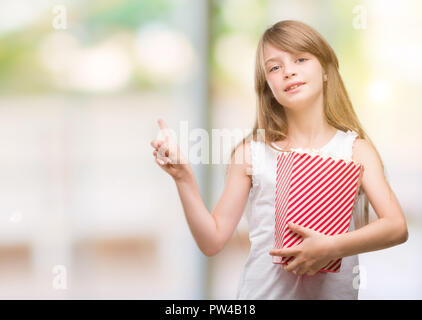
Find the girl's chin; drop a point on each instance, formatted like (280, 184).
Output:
(294, 95)
(296, 99)
(299, 97)
(296, 103)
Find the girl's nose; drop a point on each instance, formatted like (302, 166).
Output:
(289, 74)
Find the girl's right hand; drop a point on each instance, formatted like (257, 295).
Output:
(168, 155)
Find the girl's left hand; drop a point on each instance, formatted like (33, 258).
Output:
(313, 253)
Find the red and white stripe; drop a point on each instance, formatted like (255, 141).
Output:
(316, 193)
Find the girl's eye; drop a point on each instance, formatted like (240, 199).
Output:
(296, 60)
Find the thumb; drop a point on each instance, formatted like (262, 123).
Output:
(302, 231)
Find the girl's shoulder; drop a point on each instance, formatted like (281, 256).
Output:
(242, 156)
(362, 149)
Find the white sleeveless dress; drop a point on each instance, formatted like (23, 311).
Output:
(260, 278)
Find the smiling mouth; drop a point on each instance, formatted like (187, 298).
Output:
(294, 90)
(294, 87)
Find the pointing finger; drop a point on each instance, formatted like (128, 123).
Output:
(164, 128)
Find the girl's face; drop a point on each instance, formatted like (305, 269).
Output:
(283, 69)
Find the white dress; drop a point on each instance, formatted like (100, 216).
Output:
(260, 278)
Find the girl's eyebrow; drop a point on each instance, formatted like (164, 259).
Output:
(276, 57)
(271, 59)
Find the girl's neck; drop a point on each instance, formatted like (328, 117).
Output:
(313, 136)
(307, 127)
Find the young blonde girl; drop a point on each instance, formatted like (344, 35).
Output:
(316, 115)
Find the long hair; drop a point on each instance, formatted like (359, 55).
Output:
(294, 37)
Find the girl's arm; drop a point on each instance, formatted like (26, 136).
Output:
(210, 231)
(390, 228)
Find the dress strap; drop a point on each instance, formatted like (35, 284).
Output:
(349, 140)
(258, 159)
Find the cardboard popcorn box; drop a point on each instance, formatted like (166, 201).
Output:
(315, 191)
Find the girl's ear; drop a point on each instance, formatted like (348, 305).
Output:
(325, 77)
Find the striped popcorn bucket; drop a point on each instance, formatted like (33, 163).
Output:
(316, 192)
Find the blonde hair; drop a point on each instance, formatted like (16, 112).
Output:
(294, 37)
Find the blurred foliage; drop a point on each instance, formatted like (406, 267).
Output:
(251, 12)
(20, 68)
(89, 21)
(348, 44)
(96, 20)
(104, 17)
(251, 28)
